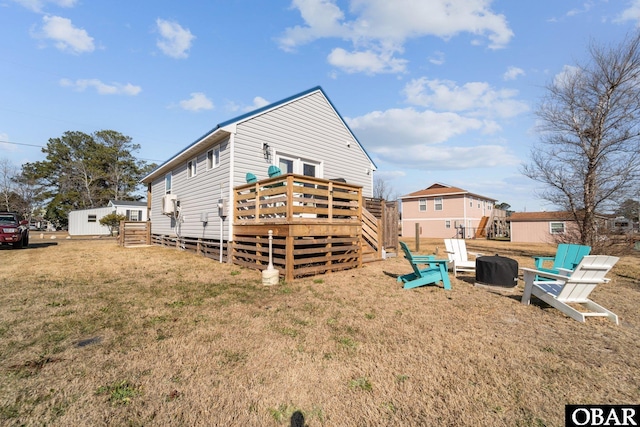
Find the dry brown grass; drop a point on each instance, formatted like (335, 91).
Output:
(94, 334)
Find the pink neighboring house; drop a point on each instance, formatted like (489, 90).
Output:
(541, 227)
(442, 211)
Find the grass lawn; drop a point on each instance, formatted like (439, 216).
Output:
(95, 334)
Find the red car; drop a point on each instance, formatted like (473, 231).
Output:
(13, 231)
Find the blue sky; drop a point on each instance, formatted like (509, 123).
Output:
(436, 91)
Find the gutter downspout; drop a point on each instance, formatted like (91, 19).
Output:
(464, 214)
(232, 168)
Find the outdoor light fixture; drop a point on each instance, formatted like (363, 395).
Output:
(266, 150)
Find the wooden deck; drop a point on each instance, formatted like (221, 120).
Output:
(317, 225)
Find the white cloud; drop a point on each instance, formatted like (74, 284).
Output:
(66, 37)
(475, 98)
(102, 88)
(380, 27)
(38, 5)
(513, 73)
(448, 158)
(258, 102)
(368, 62)
(400, 128)
(586, 7)
(322, 18)
(632, 13)
(565, 76)
(4, 146)
(437, 58)
(197, 102)
(176, 41)
(390, 175)
(445, 128)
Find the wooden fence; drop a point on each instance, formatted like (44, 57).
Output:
(134, 233)
(206, 247)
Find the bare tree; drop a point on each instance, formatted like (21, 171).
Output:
(588, 155)
(8, 171)
(382, 189)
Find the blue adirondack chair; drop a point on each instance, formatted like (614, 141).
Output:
(568, 256)
(434, 272)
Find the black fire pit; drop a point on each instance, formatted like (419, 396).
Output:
(497, 271)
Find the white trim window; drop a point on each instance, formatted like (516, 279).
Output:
(447, 223)
(134, 215)
(422, 205)
(437, 203)
(556, 228)
(192, 168)
(300, 166)
(167, 183)
(213, 158)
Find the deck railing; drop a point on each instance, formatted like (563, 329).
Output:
(294, 198)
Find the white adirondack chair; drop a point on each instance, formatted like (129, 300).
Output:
(572, 287)
(456, 250)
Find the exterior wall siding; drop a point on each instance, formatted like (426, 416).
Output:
(197, 195)
(538, 231)
(79, 224)
(306, 129)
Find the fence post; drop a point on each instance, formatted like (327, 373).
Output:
(417, 237)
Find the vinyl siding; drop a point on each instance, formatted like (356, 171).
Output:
(307, 128)
(538, 231)
(197, 195)
(79, 224)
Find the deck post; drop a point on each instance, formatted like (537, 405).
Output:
(289, 263)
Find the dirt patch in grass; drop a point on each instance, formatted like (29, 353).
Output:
(95, 334)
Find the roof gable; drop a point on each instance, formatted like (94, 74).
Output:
(133, 203)
(438, 189)
(227, 127)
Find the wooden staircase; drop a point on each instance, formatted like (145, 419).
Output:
(371, 240)
(481, 231)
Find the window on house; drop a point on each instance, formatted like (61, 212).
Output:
(437, 203)
(191, 168)
(92, 218)
(422, 203)
(447, 223)
(300, 166)
(478, 203)
(556, 227)
(134, 215)
(471, 202)
(213, 158)
(285, 165)
(167, 183)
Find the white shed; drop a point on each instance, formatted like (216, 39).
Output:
(86, 222)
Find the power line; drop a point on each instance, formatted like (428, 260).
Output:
(21, 143)
(42, 146)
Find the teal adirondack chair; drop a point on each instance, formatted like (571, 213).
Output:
(274, 171)
(436, 270)
(568, 256)
(251, 178)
